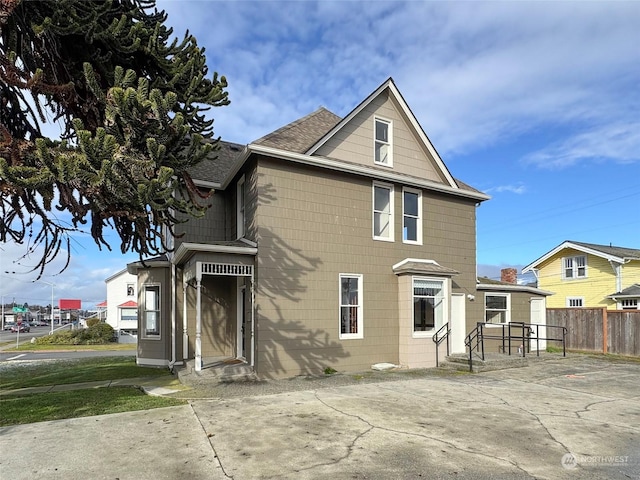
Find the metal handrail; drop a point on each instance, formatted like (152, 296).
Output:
(478, 335)
(437, 339)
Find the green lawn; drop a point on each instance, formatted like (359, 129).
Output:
(41, 407)
(60, 372)
(28, 408)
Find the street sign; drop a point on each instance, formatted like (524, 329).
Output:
(20, 310)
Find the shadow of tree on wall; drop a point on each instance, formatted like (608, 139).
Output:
(282, 336)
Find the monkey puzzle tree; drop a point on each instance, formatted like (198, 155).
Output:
(131, 101)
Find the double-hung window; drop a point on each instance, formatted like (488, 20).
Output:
(428, 305)
(350, 306)
(240, 203)
(412, 216)
(497, 308)
(574, 267)
(383, 212)
(383, 146)
(151, 319)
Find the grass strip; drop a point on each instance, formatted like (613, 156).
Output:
(63, 372)
(41, 407)
(34, 347)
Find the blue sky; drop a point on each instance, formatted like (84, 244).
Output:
(535, 103)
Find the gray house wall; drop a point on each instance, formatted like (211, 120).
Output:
(155, 350)
(317, 224)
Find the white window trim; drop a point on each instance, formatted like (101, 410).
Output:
(143, 330)
(419, 225)
(241, 208)
(445, 306)
(389, 187)
(389, 123)
(360, 334)
(568, 301)
(497, 294)
(574, 267)
(621, 305)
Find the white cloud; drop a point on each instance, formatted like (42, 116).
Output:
(517, 189)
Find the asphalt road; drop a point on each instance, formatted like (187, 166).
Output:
(52, 355)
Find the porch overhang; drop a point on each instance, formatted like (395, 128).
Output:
(423, 266)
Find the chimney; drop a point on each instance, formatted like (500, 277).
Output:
(509, 275)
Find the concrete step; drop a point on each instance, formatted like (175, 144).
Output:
(492, 361)
(216, 373)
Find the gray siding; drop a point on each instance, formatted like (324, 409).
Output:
(156, 349)
(314, 225)
(355, 142)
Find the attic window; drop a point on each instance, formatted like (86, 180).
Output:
(383, 150)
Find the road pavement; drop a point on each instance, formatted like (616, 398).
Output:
(573, 418)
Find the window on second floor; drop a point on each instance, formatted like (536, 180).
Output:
(574, 267)
(412, 216)
(383, 212)
(240, 204)
(383, 147)
(131, 290)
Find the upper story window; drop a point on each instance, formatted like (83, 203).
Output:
(131, 290)
(383, 146)
(412, 216)
(383, 212)
(574, 267)
(240, 204)
(497, 308)
(351, 306)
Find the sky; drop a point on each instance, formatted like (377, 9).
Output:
(536, 104)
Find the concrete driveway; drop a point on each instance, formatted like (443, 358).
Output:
(573, 418)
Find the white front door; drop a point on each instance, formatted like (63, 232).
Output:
(538, 317)
(458, 323)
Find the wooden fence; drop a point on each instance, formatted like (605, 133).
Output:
(599, 329)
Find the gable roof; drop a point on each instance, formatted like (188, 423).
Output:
(212, 171)
(300, 135)
(128, 304)
(608, 252)
(413, 122)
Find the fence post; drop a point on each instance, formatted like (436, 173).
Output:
(605, 329)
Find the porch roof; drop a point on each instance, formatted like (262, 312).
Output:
(423, 266)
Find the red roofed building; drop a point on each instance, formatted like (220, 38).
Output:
(122, 306)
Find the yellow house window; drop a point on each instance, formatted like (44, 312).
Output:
(574, 267)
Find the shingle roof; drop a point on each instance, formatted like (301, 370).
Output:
(300, 135)
(632, 291)
(622, 252)
(215, 168)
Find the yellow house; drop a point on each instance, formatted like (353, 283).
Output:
(589, 275)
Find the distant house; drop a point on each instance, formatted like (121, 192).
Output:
(331, 242)
(122, 305)
(589, 275)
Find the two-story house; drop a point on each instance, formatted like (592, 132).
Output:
(331, 242)
(589, 275)
(122, 305)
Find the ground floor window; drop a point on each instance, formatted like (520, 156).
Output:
(575, 302)
(497, 308)
(151, 319)
(428, 304)
(128, 314)
(629, 304)
(351, 306)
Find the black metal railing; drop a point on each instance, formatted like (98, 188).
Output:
(524, 332)
(440, 336)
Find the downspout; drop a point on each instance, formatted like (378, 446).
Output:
(185, 334)
(617, 269)
(253, 321)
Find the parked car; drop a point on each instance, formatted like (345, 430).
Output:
(23, 327)
(8, 326)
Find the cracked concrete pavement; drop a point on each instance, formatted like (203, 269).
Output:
(573, 418)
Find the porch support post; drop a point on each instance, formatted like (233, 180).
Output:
(198, 318)
(185, 336)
